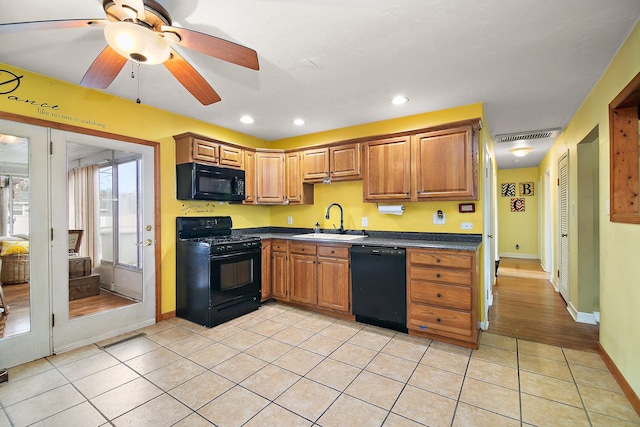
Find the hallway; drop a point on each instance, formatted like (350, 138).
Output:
(526, 306)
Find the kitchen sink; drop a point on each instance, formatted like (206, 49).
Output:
(327, 236)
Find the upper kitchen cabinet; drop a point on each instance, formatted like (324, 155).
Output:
(445, 164)
(296, 192)
(270, 177)
(340, 162)
(249, 177)
(387, 169)
(439, 163)
(195, 148)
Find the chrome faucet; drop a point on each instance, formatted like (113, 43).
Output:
(341, 230)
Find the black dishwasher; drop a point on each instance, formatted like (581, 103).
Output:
(379, 287)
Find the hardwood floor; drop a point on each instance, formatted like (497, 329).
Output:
(526, 306)
(17, 297)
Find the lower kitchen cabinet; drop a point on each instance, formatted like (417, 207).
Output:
(303, 273)
(316, 276)
(266, 270)
(279, 285)
(333, 278)
(442, 295)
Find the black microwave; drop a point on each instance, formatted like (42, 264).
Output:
(197, 181)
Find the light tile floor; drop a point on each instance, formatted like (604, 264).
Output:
(282, 366)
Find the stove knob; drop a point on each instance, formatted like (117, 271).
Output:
(229, 246)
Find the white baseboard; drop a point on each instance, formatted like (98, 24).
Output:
(518, 255)
(553, 283)
(581, 317)
(596, 314)
(484, 325)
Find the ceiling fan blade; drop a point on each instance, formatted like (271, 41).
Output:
(17, 27)
(104, 69)
(216, 47)
(191, 79)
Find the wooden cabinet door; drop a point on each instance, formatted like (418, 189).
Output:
(387, 171)
(205, 151)
(270, 177)
(345, 162)
(249, 177)
(231, 157)
(293, 182)
(303, 278)
(446, 164)
(266, 270)
(279, 288)
(333, 283)
(315, 164)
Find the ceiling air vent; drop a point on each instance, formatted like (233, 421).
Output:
(521, 136)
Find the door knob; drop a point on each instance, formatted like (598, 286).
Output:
(147, 242)
(490, 236)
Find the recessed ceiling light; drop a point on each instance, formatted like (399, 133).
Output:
(399, 100)
(246, 119)
(298, 122)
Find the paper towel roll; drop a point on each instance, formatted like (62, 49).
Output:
(391, 209)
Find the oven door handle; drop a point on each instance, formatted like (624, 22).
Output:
(216, 257)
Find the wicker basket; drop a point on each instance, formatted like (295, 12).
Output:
(15, 269)
(4, 312)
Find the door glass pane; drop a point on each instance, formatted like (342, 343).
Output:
(99, 186)
(128, 217)
(14, 235)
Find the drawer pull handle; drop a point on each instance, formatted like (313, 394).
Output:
(438, 320)
(438, 275)
(437, 259)
(439, 295)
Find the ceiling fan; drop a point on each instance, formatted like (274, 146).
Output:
(142, 31)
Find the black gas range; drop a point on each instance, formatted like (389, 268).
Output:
(218, 274)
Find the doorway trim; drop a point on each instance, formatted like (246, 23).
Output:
(157, 191)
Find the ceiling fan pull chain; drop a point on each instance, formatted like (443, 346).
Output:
(138, 98)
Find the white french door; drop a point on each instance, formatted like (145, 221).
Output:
(132, 259)
(24, 153)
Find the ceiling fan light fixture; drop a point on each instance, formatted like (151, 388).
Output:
(520, 151)
(136, 42)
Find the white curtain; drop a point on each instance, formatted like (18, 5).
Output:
(84, 209)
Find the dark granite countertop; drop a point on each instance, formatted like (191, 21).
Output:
(465, 242)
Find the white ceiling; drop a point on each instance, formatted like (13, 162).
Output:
(337, 63)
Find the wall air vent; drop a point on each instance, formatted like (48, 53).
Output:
(522, 136)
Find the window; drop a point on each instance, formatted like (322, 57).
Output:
(15, 201)
(120, 194)
(624, 120)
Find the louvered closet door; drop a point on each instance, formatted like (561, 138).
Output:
(563, 203)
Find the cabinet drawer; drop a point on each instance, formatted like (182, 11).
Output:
(458, 277)
(279, 245)
(458, 297)
(334, 251)
(426, 318)
(302, 248)
(441, 259)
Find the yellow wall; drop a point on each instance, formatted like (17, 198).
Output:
(418, 216)
(93, 109)
(518, 228)
(619, 243)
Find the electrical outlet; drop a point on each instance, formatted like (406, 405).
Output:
(439, 219)
(365, 221)
(289, 220)
(466, 226)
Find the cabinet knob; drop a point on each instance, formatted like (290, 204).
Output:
(439, 295)
(438, 320)
(438, 275)
(333, 252)
(437, 259)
